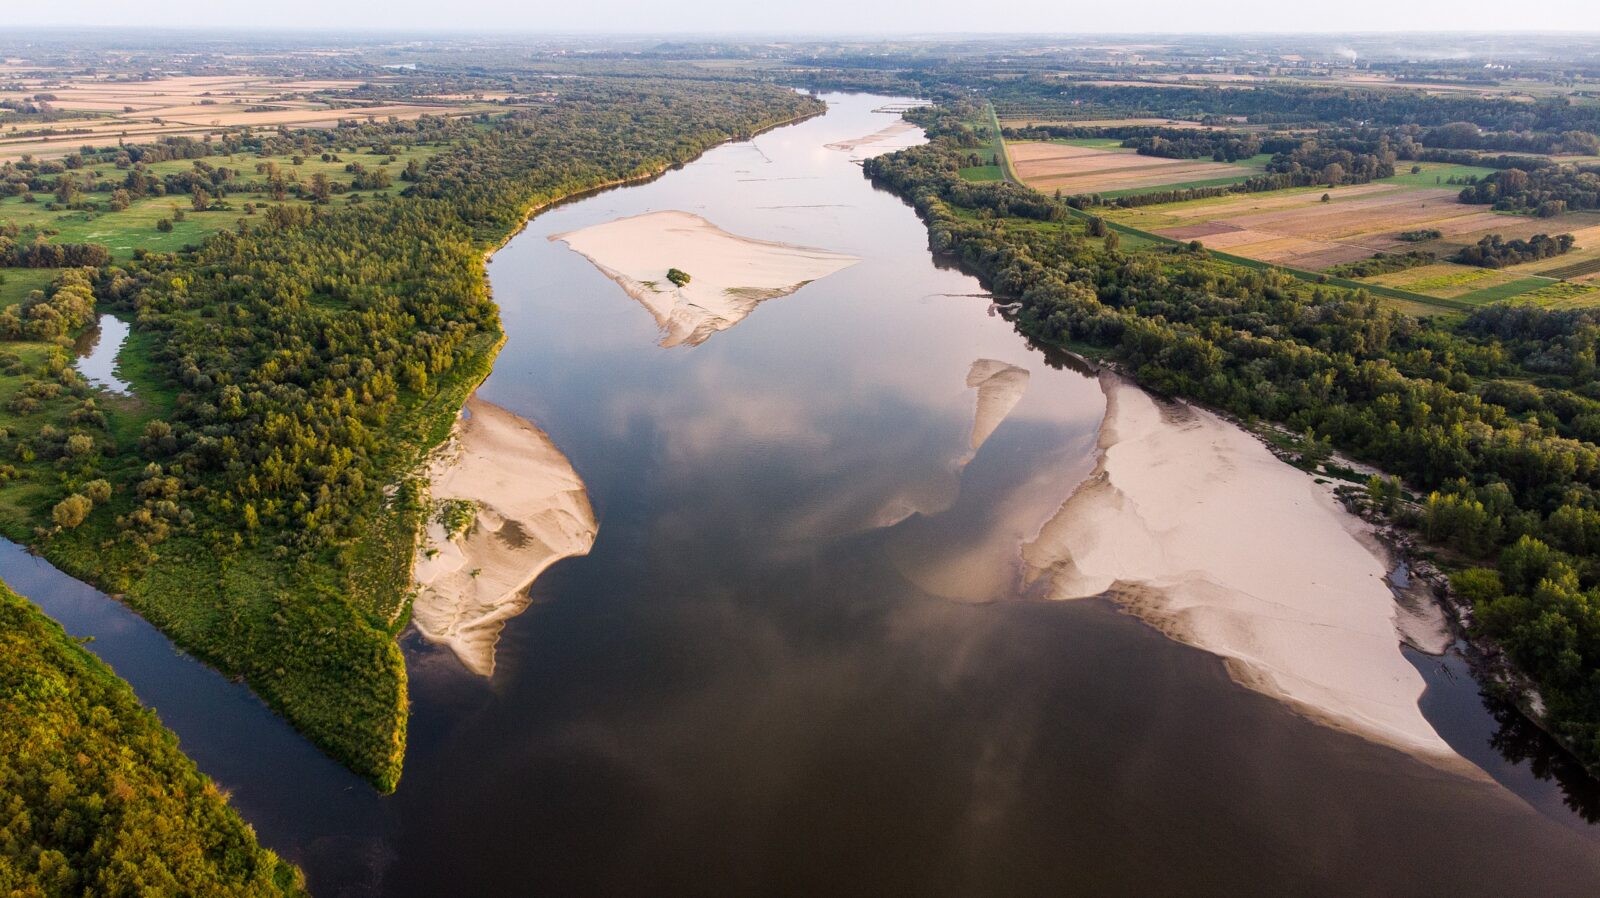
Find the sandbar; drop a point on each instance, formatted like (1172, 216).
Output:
(530, 510)
(1000, 387)
(1193, 525)
(729, 275)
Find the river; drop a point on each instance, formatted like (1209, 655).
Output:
(797, 659)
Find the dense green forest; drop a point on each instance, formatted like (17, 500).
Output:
(1493, 421)
(294, 370)
(95, 797)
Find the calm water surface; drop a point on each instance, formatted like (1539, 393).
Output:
(798, 660)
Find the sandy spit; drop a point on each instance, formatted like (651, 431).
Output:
(531, 510)
(730, 275)
(1000, 387)
(883, 135)
(1193, 525)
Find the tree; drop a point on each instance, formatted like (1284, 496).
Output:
(71, 511)
(677, 277)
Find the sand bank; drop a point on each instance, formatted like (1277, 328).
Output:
(730, 275)
(881, 136)
(531, 510)
(1193, 525)
(1000, 387)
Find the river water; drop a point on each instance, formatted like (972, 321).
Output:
(798, 660)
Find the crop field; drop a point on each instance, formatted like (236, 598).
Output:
(112, 111)
(1074, 169)
(1297, 229)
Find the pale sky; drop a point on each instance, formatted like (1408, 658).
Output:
(817, 16)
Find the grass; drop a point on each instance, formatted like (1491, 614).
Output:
(1563, 295)
(135, 227)
(982, 173)
(1500, 292)
(997, 145)
(16, 283)
(1435, 174)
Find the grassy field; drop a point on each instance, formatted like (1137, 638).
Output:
(983, 173)
(1505, 291)
(16, 283)
(135, 227)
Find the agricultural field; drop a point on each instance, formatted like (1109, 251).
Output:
(1298, 229)
(1091, 166)
(103, 111)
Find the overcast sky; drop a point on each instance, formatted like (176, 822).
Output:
(818, 16)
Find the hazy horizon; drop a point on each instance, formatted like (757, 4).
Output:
(833, 18)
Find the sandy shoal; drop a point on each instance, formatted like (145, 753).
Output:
(1190, 523)
(1000, 387)
(882, 135)
(532, 511)
(730, 275)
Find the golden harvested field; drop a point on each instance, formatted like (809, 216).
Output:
(1072, 169)
(193, 106)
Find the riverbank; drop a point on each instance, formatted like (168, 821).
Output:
(1192, 525)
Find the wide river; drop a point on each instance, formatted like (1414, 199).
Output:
(797, 660)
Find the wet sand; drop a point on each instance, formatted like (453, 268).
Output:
(531, 510)
(1000, 387)
(730, 275)
(1191, 524)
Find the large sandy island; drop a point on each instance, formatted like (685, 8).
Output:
(730, 275)
(1192, 524)
(531, 511)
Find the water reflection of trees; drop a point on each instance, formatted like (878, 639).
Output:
(1520, 741)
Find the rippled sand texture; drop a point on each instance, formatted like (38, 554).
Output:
(1194, 526)
(730, 275)
(531, 511)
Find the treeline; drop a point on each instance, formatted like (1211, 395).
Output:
(312, 358)
(1285, 104)
(1543, 191)
(1494, 251)
(1383, 263)
(42, 254)
(98, 799)
(1417, 399)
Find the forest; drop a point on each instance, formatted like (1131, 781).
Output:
(302, 363)
(1493, 422)
(98, 799)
